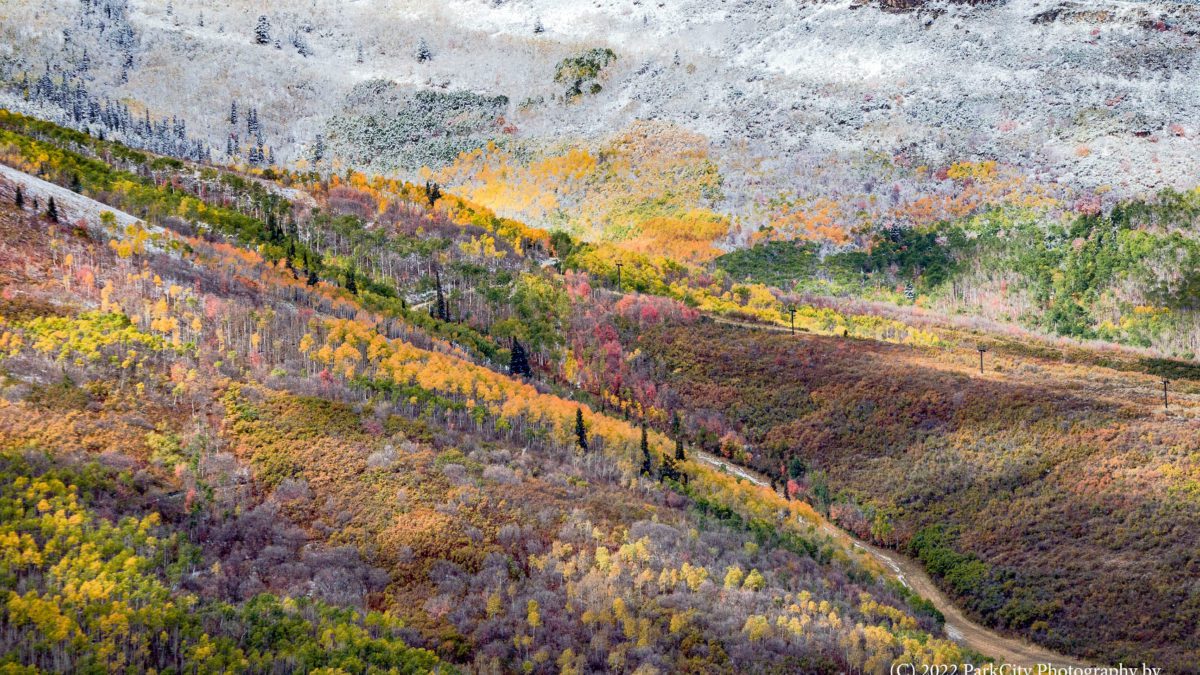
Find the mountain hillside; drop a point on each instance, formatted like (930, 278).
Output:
(618, 336)
(228, 449)
(1089, 95)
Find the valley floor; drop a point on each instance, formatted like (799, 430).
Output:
(912, 574)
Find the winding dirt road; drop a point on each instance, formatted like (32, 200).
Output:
(912, 574)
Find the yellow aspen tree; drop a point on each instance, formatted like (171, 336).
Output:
(733, 577)
(757, 627)
(754, 581)
(532, 615)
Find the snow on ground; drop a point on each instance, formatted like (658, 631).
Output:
(71, 206)
(1097, 94)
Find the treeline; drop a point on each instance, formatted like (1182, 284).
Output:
(1126, 276)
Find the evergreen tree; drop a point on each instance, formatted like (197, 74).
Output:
(433, 192)
(351, 284)
(538, 27)
(796, 468)
(312, 278)
(440, 301)
(318, 149)
(126, 66)
(580, 430)
(20, 198)
(423, 52)
(358, 57)
(677, 431)
(233, 113)
(647, 466)
(52, 210)
(262, 32)
(518, 362)
(668, 470)
(301, 46)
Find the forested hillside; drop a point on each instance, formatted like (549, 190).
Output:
(383, 398)
(735, 141)
(243, 431)
(1128, 275)
(552, 337)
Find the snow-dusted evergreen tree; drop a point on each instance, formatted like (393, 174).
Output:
(233, 113)
(68, 92)
(318, 151)
(301, 45)
(262, 31)
(126, 66)
(538, 27)
(252, 122)
(423, 53)
(358, 57)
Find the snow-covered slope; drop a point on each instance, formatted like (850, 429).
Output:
(72, 206)
(1089, 93)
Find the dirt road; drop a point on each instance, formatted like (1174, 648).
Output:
(911, 573)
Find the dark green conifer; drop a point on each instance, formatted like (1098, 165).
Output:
(580, 430)
(647, 465)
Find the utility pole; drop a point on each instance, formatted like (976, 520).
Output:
(792, 311)
(619, 266)
(981, 349)
(1165, 383)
